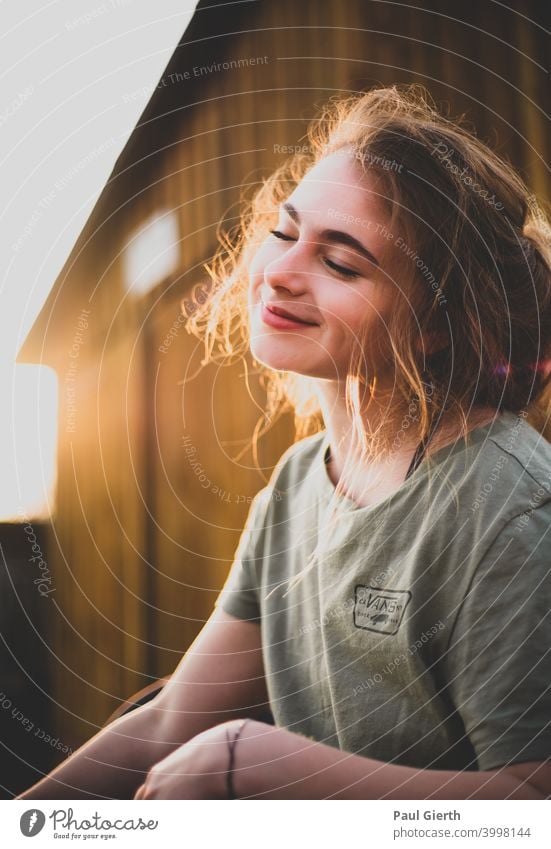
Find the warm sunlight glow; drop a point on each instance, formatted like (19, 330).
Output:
(152, 253)
(28, 435)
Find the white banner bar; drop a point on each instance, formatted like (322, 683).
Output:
(273, 825)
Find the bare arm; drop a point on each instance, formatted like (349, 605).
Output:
(220, 677)
(274, 763)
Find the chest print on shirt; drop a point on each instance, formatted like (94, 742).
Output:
(379, 609)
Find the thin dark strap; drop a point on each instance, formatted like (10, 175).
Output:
(419, 453)
(416, 459)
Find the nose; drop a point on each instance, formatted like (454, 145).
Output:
(288, 271)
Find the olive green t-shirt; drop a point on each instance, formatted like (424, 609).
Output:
(423, 635)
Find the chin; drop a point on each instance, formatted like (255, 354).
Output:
(284, 354)
(280, 357)
(273, 356)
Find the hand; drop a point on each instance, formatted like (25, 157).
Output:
(196, 770)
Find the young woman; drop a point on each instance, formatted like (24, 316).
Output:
(389, 600)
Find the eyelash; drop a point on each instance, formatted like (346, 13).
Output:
(344, 272)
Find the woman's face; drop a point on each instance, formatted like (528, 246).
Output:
(328, 264)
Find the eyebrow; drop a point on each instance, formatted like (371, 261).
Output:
(335, 236)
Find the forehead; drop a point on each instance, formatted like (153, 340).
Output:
(337, 194)
(338, 186)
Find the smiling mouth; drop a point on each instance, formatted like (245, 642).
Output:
(276, 315)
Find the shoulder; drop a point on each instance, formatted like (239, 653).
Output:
(280, 498)
(297, 460)
(290, 478)
(506, 468)
(530, 451)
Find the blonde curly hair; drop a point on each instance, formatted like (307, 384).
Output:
(481, 253)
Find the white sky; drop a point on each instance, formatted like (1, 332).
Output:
(75, 75)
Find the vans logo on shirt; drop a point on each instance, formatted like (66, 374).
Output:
(378, 609)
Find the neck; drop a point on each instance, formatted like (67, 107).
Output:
(380, 429)
(397, 444)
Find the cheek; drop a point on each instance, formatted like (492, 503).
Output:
(350, 311)
(359, 326)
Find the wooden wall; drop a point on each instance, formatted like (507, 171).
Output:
(141, 548)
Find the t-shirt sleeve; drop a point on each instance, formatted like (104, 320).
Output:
(499, 655)
(239, 595)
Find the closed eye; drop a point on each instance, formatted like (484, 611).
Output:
(340, 269)
(279, 235)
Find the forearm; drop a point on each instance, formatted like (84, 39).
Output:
(273, 763)
(113, 763)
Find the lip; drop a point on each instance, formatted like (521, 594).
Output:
(281, 321)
